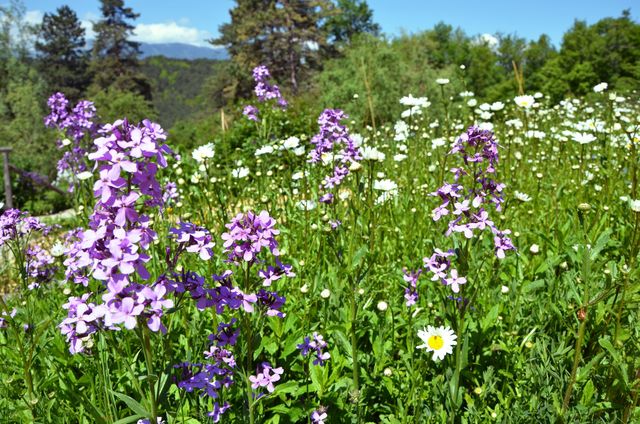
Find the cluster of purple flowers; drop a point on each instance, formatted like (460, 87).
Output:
(112, 249)
(265, 376)
(16, 230)
(193, 239)
(315, 344)
(217, 374)
(265, 92)
(18, 226)
(411, 292)
(466, 204)
(73, 124)
(248, 234)
(40, 266)
(331, 134)
(439, 264)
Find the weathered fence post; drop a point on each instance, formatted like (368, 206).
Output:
(8, 196)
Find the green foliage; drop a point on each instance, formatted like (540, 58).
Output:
(62, 58)
(114, 60)
(114, 104)
(284, 35)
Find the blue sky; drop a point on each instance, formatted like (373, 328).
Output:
(194, 21)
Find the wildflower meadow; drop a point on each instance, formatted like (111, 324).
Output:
(464, 262)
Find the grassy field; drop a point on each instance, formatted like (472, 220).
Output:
(467, 263)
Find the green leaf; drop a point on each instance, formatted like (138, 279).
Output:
(128, 420)
(133, 404)
(605, 343)
(587, 393)
(491, 318)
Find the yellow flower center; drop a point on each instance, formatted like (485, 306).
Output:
(435, 342)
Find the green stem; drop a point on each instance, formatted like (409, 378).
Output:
(146, 343)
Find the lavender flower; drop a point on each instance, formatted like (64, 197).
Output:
(332, 133)
(315, 344)
(466, 204)
(411, 292)
(194, 239)
(265, 377)
(212, 377)
(248, 235)
(112, 249)
(76, 125)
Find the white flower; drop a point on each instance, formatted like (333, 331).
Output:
(65, 142)
(306, 205)
(600, 87)
(437, 142)
(371, 153)
(472, 102)
(203, 153)
(635, 205)
(264, 150)
(414, 101)
(84, 175)
(583, 138)
(298, 151)
(497, 106)
(384, 185)
(486, 126)
(298, 175)
(291, 143)
(439, 340)
(57, 249)
(467, 94)
(524, 101)
(535, 249)
(241, 172)
(442, 81)
(382, 306)
(523, 197)
(399, 157)
(504, 289)
(325, 294)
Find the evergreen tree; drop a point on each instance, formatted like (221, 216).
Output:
(285, 35)
(114, 63)
(349, 18)
(62, 56)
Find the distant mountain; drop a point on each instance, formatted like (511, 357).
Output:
(182, 51)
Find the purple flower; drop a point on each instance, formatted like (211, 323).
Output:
(411, 292)
(212, 377)
(265, 377)
(318, 416)
(455, 281)
(315, 344)
(248, 234)
(251, 112)
(194, 239)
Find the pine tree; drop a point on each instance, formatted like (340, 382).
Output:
(62, 58)
(114, 63)
(285, 35)
(348, 19)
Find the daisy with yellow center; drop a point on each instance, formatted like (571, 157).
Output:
(439, 340)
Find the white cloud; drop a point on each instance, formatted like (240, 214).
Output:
(491, 40)
(171, 32)
(167, 32)
(33, 17)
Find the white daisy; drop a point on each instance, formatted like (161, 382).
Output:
(524, 101)
(203, 153)
(439, 340)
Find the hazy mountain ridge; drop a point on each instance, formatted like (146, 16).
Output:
(182, 51)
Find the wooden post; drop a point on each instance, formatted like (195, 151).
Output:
(8, 196)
